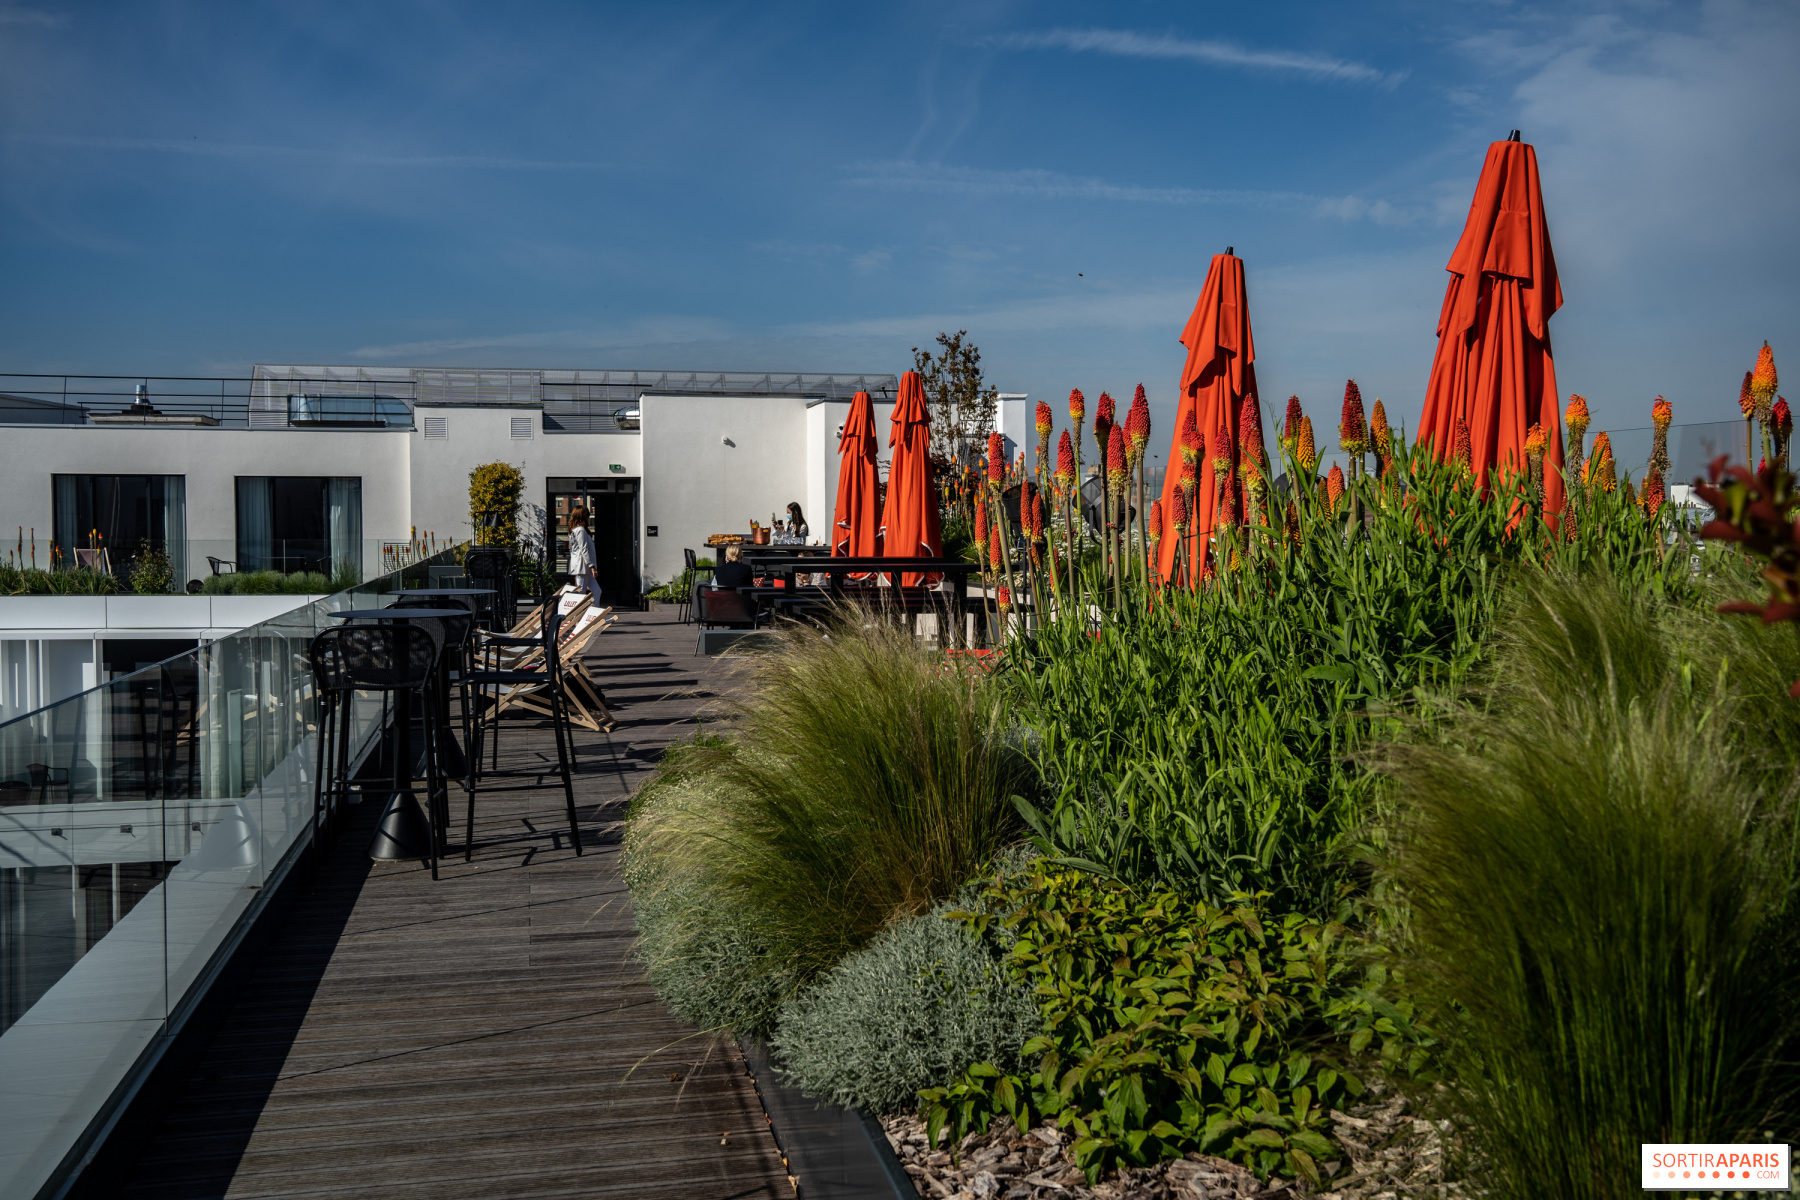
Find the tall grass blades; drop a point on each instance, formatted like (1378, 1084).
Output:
(1595, 872)
(863, 782)
(1209, 738)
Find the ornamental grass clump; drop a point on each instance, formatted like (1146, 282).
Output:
(1595, 861)
(864, 781)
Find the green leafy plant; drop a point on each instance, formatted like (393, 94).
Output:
(916, 1007)
(862, 784)
(495, 488)
(151, 572)
(1595, 857)
(35, 581)
(682, 586)
(276, 583)
(1215, 739)
(1172, 1025)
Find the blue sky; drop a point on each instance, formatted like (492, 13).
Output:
(196, 187)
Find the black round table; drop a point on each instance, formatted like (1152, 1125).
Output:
(441, 592)
(452, 751)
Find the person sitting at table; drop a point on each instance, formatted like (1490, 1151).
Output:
(797, 520)
(734, 572)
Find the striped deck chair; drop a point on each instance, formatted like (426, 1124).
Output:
(584, 702)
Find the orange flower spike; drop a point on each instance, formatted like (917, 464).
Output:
(1783, 417)
(1460, 451)
(1003, 598)
(1037, 516)
(1576, 416)
(1156, 523)
(1600, 469)
(1307, 451)
(1192, 445)
(1103, 425)
(1221, 450)
(1116, 471)
(1661, 413)
(1763, 380)
(996, 462)
(1045, 422)
(1652, 498)
(1077, 408)
(1747, 398)
(1250, 439)
(1353, 430)
(1065, 463)
(1536, 441)
(1226, 516)
(996, 553)
(1334, 485)
(1178, 513)
(1290, 428)
(981, 523)
(1137, 426)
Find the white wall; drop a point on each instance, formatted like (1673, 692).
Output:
(211, 459)
(475, 436)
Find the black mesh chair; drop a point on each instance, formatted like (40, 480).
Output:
(716, 607)
(685, 613)
(456, 635)
(492, 567)
(397, 660)
(533, 661)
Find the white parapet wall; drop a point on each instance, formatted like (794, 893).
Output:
(52, 647)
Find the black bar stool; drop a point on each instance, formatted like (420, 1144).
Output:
(526, 669)
(397, 659)
(492, 567)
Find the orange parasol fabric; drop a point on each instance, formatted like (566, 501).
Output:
(909, 520)
(1219, 374)
(854, 527)
(1493, 367)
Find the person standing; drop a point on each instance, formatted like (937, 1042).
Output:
(581, 553)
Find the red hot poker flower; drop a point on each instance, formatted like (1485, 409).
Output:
(1003, 598)
(1536, 440)
(1250, 439)
(1116, 472)
(1045, 423)
(981, 523)
(1156, 523)
(996, 555)
(1290, 428)
(1065, 463)
(1576, 415)
(1381, 434)
(1747, 398)
(1103, 420)
(1353, 430)
(1037, 516)
(1221, 449)
(1661, 413)
(1077, 407)
(1334, 485)
(1307, 451)
(996, 460)
(1763, 379)
(1190, 438)
(1783, 417)
(1137, 426)
(1460, 450)
(1178, 517)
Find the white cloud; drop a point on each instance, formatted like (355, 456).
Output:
(1210, 52)
(233, 150)
(981, 181)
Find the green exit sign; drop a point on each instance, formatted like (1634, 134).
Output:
(616, 468)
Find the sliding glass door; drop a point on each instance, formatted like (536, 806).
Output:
(294, 523)
(107, 521)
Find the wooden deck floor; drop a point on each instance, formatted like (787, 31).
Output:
(486, 1035)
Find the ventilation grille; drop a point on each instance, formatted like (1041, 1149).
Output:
(521, 427)
(437, 427)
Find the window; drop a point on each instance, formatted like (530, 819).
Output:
(437, 427)
(120, 514)
(299, 523)
(521, 427)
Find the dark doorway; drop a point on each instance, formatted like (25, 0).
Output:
(612, 519)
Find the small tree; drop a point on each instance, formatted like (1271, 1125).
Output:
(495, 488)
(962, 409)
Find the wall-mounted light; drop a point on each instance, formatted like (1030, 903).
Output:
(728, 441)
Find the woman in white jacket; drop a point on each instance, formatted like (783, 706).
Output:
(581, 552)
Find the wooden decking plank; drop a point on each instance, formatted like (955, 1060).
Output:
(487, 1035)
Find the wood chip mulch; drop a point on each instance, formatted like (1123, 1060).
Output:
(1391, 1155)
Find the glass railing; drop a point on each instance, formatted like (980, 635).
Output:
(140, 824)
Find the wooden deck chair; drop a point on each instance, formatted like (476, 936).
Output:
(584, 703)
(574, 606)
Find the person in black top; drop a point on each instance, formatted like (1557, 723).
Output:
(733, 572)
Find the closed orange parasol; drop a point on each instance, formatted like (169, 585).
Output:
(1220, 373)
(853, 525)
(909, 520)
(1493, 367)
